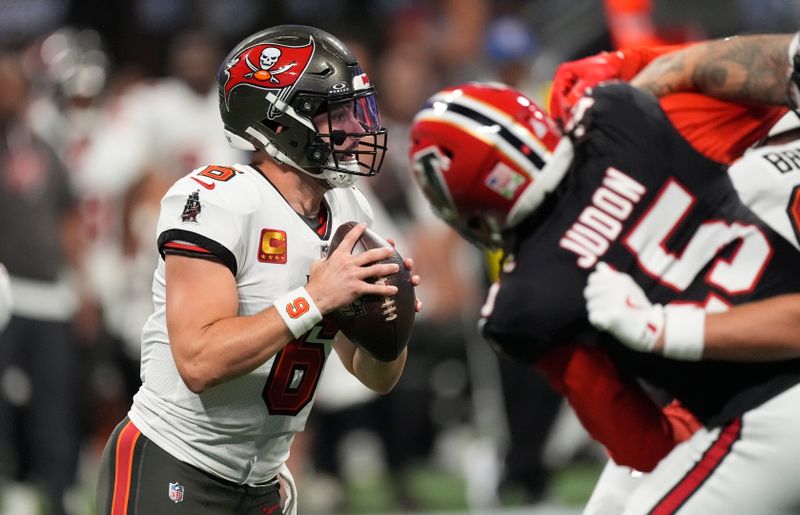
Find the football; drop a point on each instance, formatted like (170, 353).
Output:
(380, 326)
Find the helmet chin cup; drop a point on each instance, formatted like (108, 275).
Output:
(342, 179)
(339, 179)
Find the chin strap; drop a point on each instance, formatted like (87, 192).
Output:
(334, 178)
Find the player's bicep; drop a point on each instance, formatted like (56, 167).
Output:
(200, 292)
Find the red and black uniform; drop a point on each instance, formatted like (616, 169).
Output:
(712, 249)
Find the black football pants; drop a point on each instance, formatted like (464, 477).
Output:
(139, 478)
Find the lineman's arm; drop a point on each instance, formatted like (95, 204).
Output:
(743, 68)
(719, 129)
(605, 402)
(573, 78)
(764, 330)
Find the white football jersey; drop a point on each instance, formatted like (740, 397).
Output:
(768, 181)
(240, 430)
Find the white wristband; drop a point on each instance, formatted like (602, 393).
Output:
(298, 311)
(684, 332)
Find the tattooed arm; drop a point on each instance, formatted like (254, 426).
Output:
(744, 68)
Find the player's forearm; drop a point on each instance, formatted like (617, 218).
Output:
(745, 68)
(229, 348)
(378, 376)
(767, 330)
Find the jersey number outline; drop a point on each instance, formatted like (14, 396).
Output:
(736, 275)
(217, 173)
(296, 371)
(793, 210)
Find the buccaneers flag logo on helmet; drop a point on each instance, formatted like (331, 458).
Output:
(268, 66)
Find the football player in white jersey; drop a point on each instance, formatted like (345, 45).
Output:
(233, 352)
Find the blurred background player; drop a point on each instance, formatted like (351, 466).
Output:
(43, 252)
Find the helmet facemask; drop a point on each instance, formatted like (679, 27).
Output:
(478, 226)
(349, 133)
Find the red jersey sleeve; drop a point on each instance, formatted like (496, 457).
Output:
(718, 129)
(615, 411)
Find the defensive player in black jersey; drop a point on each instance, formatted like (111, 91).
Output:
(624, 188)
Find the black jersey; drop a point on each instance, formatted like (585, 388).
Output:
(638, 197)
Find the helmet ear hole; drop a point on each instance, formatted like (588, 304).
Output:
(274, 126)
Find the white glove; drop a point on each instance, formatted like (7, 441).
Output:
(617, 305)
(5, 298)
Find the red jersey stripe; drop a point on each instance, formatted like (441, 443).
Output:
(123, 471)
(695, 478)
(185, 246)
(322, 221)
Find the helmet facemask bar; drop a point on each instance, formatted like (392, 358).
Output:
(350, 134)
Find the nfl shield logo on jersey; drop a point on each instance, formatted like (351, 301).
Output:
(176, 492)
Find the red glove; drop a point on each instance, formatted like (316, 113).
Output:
(573, 77)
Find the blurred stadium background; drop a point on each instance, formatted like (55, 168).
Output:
(123, 93)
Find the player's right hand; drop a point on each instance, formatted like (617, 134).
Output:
(618, 305)
(342, 277)
(573, 78)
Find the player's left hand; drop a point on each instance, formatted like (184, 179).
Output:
(415, 279)
(618, 305)
(573, 78)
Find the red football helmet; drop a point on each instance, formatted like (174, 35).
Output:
(475, 148)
